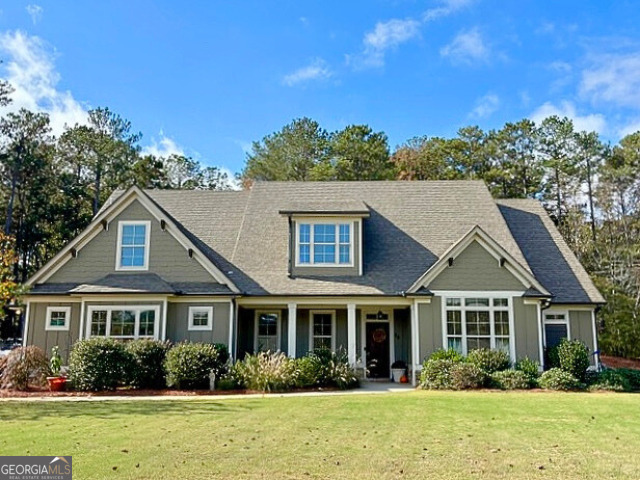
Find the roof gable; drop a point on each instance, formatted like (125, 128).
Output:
(101, 223)
(478, 237)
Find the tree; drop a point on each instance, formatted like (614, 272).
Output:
(299, 151)
(5, 93)
(359, 153)
(557, 147)
(590, 156)
(424, 158)
(515, 170)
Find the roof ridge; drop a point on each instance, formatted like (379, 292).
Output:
(244, 216)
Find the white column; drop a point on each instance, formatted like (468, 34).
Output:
(164, 320)
(292, 323)
(540, 335)
(231, 317)
(351, 333)
(596, 357)
(82, 315)
(415, 342)
(25, 328)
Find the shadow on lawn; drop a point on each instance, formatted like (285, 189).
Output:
(30, 411)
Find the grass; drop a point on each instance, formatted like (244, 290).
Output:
(408, 435)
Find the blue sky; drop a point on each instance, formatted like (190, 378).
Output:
(206, 78)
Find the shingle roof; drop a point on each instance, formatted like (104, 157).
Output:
(327, 206)
(411, 224)
(550, 258)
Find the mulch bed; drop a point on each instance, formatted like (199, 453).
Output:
(619, 362)
(129, 392)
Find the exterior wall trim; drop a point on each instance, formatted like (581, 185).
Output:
(25, 333)
(278, 328)
(200, 328)
(147, 245)
(363, 334)
(67, 319)
(556, 311)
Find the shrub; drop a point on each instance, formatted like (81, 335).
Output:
(98, 364)
(24, 367)
(466, 376)
(489, 360)
(309, 372)
(610, 380)
(511, 380)
(436, 374)
(450, 354)
(189, 365)
(574, 358)
(147, 363)
(552, 360)
(558, 379)
(267, 372)
(530, 368)
(632, 376)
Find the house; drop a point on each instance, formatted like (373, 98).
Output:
(385, 270)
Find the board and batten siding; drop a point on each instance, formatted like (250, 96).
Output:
(475, 269)
(178, 323)
(47, 339)
(581, 326)
(526, 329)
(167, 257)
(430, 327)
(302, 271)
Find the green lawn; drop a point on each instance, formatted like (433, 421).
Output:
(407, 435)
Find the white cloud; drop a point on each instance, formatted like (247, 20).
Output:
(316, 70)
(613, 78)
(630, 128)
(390, 34)
(468, 47)
(594, 122)
(447, 7)
(485, 106)
(30, 70)
(164, 147)
(35, 12)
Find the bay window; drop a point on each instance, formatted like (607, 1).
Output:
(477, 322)
(123, 322)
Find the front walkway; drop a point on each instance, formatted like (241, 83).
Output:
(366, 388)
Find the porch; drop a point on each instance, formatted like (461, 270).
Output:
(374, 333)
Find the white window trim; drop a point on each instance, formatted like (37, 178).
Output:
(199, 309)
(67, 319)
(332, 221)
(545, 322)
(333, 328)
(133, 308)
(278, 327)
(147, 242)
(491, 309)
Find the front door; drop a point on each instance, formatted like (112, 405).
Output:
(377, 349)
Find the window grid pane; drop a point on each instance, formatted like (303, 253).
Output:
(132, 253)
(147, 323)
(99, 323)
(200, 318)
(123, 323)
(324, 244)
(324, 253)
(58, 319)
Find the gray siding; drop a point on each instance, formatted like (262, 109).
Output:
(45, 339)
(302, 332)
(167, 257)
(178, 323)
(325, 271)
(526, 330)
(430, 327)
(581, 325)
(475, 269)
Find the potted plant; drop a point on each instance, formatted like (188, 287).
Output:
(57, 381)
(398, 370)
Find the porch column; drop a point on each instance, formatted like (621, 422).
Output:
(351, 333)
(415, 342)
(292, 321)
(540, 335)
(231, 334)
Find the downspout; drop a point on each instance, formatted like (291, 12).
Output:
(544, 305)
(291, 252)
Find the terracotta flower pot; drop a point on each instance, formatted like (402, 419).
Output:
(56, 384)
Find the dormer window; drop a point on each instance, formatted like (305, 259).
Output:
(325, 244)
(133, 246)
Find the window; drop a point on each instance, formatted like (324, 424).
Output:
(267, 336)
(477, 322)
(58, 318)
(322, 329)
(124, 322)
(325, 244)
(200, 318)
(133, 246)
(556, 327)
